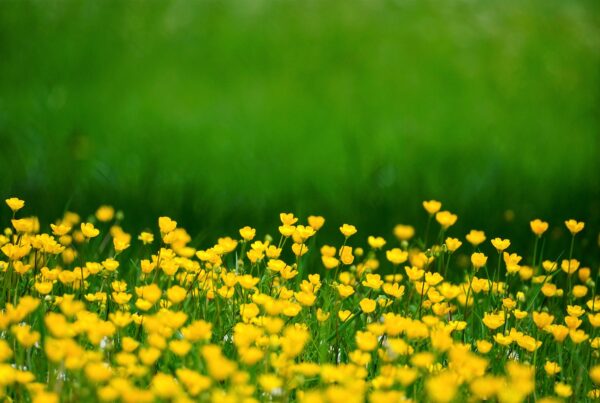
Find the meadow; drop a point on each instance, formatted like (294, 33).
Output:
(237, 201)
(94, 313)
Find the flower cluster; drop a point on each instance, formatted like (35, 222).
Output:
(90, 313)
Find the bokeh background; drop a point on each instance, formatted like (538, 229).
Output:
(224, 113)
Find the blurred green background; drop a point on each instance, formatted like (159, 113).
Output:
(224, 113)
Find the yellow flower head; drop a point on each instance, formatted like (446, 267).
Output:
(348, 230)
(574, 226)
(288, 219)
(376, 242)
(432, 206)
(396, 256)
(478, 260)
(316, 222)
(475, 237)
(15, 204)
(368, 305)
(404, 232)
(105, 213)
(446, 219)
(89, 231)
(452, 244)
(538, 227)
(247, 233)
(493, 321)
(500, 244)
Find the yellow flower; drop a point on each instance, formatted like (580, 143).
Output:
(129, 344)
(373, 281)
(446, 219)
(595, 374)
(542, 319)
(493, 321)
(344, 315)
(359, 357)
(247, 281)
(249, 311)
(551, 368)
(559, 332)
(105, 213)
(26, 225)
(475, 237)
(578, 336)
(478, 260)
(348, 230)
(247, 233)
(288, 273)
(299, 249)
(345, 290)
(146, 237)
(432, 206)
(46, 397)
(569, 266)
(89, 231)
(376, 242)
(15, 204)
(193, 381)
(316, 222)
(562, 389)
(423, 359)
(330, 262)
(483, 346)
(98, 372)
(180, 347)
(322, 316)
(150, 293)
(594, 319)
(520, 314)
(452, 244)
(396, 256)
(293, 341)
(5, 351)
(414, 273)
(302, 233)
(406, 375)
(366, 341)
(433, 279)
(287, 218)
(148, 356)
(528, 343)
(368, 305)
(165, 386)
(287, 230)
(197, 330)
(404, 232)
(120, 318)
(305, 298)
(538, 227)
(166, 225)
(395, 290)
(503, 340)
(572, 322)
(60, 229)
(176, 294)
(574, 227)
(500, 244)
(270, 383)
(346, 255)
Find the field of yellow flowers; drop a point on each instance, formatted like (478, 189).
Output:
(89, 312)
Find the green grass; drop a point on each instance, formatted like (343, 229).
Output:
(223, 112)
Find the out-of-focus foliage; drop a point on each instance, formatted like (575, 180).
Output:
(224, 111)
